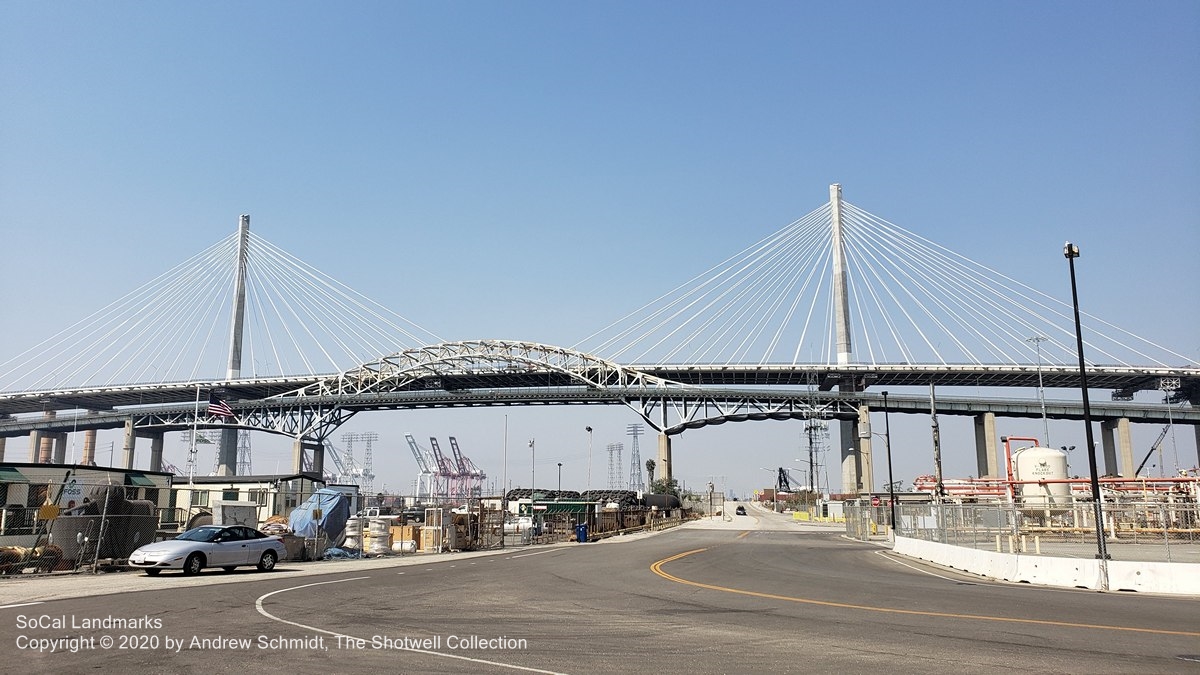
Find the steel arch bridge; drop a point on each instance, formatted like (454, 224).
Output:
(483, 373)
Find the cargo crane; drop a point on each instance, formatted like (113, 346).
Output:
(426, 478)
(446, 471)
(472, 476)
(1154, 446)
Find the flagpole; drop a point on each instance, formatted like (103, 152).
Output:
(192, 451)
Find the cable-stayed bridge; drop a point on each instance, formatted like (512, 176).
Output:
(810, 322)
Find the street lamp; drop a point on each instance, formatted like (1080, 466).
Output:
(560, 476)
(589, 433)
(1071, 252)
(887, 441)
(532, 476)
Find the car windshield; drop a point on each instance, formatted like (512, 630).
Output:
(200, 534)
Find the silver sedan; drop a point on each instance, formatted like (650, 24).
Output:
(226, 547)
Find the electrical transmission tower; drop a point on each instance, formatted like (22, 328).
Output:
(614, 465)
(367, 480)
(209, 437)
(636, 482)
(243, 453)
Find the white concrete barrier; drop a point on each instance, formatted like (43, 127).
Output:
(1150, 577)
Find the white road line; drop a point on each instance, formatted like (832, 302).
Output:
(23, 604)
(258, 604)
(526, 555)
(918, 569)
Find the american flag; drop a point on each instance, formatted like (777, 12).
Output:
(218, 407)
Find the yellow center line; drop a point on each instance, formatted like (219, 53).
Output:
(657, 569)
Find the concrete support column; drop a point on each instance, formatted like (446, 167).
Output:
(848, 436)
(664, 457)
(46, 448)
(156, 450)
(128, 445)
(3, 440)
(227, 460)
(1124, 445)
(316, 451)
(298, 455)
(89, 448)
(1109, 447)
(986, 445)
(1121, 442)
(60, 449)
(1196, 433)
(35, 445)
(865, 459)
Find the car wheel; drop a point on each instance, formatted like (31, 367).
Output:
(268, 562)
(193, 564)
(229, 568)
(152, 573)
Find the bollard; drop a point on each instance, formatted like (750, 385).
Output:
(1024, 546)
(997, 543)
(1012, 544)
(1037, 545)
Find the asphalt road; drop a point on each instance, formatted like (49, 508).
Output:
(756, 594)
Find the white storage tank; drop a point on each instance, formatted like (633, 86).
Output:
(1036, 463)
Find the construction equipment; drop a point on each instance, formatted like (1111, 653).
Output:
(1158, 442)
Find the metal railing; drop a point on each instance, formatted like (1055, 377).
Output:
(1160, 531)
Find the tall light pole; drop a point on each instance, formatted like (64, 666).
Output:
(1037, 340)
(1071, 252)
(589, 480)
(532, 475)
(560, 476)
(887, 442)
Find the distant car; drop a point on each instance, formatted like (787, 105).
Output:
(226, 547)
(740, 510)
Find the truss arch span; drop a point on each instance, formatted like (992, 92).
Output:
(484, 364)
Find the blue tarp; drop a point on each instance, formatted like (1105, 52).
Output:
(335, 511)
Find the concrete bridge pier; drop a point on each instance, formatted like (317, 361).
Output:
(317, 450)
(227, 453)
(59, 453)
(1195, 430)
(128, 445)
(855, 436)
(664, 456)
(1124, 442)
(985, 445)
(89, 448)
(46, 448)
(2, 443)
(35, 444)
(156, 451)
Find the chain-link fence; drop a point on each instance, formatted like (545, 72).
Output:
(53, 527)
(1134, 531)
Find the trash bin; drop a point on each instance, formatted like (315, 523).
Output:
(581, 533)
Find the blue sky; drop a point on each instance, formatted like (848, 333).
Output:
(536, 170)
